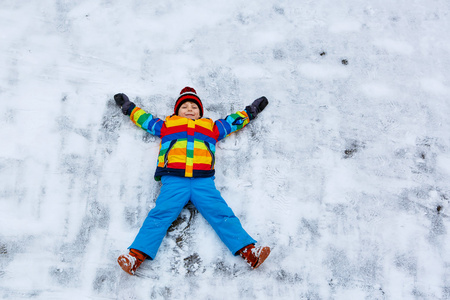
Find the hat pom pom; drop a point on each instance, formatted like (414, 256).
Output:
(188, 90)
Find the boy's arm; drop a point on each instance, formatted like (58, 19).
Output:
(138, 116)
(240, 119)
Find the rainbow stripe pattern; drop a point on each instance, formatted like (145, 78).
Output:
(188, 147)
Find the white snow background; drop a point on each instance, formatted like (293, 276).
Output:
(346, 174)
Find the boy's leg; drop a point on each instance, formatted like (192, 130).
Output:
(174, 195)
(215, 210)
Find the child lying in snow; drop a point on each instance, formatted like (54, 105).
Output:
(186, 169)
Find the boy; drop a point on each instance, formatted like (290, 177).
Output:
(186, 169)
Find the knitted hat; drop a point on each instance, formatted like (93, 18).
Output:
(188, 94)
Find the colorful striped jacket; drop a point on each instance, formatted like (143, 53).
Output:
(187, 147)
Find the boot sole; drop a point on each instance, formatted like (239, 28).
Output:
(125, 264)
(262, 256)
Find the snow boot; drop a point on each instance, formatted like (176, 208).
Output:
(254, 256)
(131, 261)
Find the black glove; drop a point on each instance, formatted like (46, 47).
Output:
(123, 101)
(256, 107)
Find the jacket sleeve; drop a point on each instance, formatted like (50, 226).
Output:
(146, 121)
(231, 123)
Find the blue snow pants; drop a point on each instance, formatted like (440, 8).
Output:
(175, 194)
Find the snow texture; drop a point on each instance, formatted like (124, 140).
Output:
(345, 174)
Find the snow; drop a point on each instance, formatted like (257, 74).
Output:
(344, 175)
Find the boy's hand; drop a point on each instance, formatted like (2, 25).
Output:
(123, 101)
(256, 107)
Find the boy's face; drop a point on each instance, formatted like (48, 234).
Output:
(189, 110)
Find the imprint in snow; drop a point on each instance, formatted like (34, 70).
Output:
(376, 89)
(395, 46)
(264, 38)
(434, 86)
(443, 164)
(317, 71)
(345, 26)
(245, 71)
